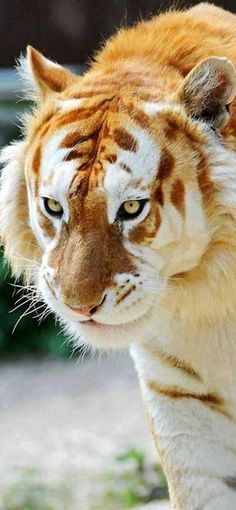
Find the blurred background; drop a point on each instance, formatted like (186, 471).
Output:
(72, 430)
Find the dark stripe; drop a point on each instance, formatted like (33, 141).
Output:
(176, 393)
(127, 293)
(36, 159)
(126, 168)
(159, 195)
(69, 141)
(171, 361)
(74, 155)
(79, 114)
(203, 175)
(171, 129)
(138, 116)
(125, 140)
(166, 165)
(177, 195)
(110, 157)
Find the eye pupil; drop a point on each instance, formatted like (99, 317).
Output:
(53, 207)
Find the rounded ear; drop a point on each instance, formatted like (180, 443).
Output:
(208, 90)
(42, 76)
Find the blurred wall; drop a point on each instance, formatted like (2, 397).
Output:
(70, 30)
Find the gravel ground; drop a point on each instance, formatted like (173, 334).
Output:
(70, 420)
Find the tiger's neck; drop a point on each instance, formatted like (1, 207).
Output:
(188, 383)
(180, 362)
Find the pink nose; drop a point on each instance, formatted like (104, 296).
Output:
(88, 310)
(84, 311)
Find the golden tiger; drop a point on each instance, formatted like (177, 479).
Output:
(119, 204)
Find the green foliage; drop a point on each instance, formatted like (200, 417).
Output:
(132, 482)
(29, 337)
(134, 455)
(137, 483)
(29, 493)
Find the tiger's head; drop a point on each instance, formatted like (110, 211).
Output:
(109, 196)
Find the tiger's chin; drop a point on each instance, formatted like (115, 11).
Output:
(108, 336)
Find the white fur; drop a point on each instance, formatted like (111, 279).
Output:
(70, 104)
(56, 176)
(120, 185)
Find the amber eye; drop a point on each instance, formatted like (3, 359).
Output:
(53, 207)
(132, 206)
(130, 209)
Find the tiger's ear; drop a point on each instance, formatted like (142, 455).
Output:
(209, 89)
(43, 77)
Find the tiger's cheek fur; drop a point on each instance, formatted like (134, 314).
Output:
(21, 247)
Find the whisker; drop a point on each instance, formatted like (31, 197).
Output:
(27, 312)
(22, 304)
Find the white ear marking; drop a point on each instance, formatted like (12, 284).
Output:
(29, 88)
(41, 76)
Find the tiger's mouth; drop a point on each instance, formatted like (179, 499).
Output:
(99, 326)
(113, 336)
(103, 329)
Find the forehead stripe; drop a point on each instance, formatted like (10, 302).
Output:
(80, 114)
(74, 154)
(125, 140)
(138, 116)
(73, 139)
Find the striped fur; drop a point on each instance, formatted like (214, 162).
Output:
(153, 123)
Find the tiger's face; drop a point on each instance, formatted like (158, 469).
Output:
(116, 212)
(116, 197)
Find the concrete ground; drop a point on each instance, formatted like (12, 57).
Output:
(65, 422)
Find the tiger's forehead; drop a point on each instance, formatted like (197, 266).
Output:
(102, 143)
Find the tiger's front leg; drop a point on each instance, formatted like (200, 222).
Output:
(196, 441)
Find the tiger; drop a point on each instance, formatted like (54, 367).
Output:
(118, 205)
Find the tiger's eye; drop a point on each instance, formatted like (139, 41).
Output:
(131, 209)
(132, 206)
(53, 207)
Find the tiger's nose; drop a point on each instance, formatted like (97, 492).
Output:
(88, 311)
